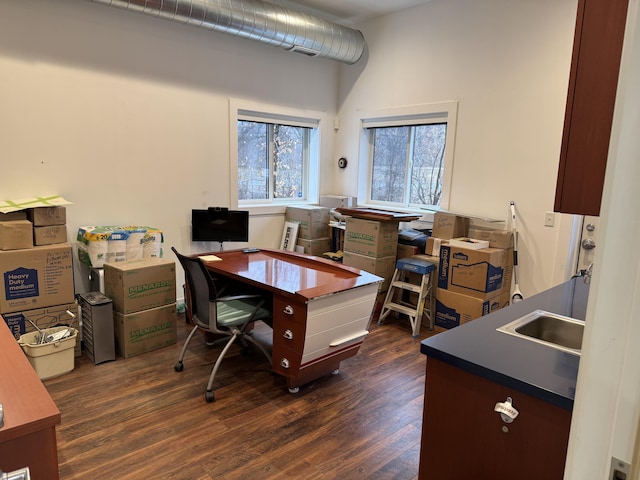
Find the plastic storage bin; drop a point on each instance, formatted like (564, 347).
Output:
(50, 359)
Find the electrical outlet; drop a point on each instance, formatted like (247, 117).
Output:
(549, 219)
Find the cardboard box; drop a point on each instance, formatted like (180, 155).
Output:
(315, 247)
(19, 215)
(146, 330)
(432, 247)
(467, 242)
(496, 238)
(313, 221)
(477, 273)
(43, 216)
(448, 225)
(36, 277)
(382, 266)
(50, 234)
(140, 284)
(338, 201)
(16, 234)
(371, 238)
(405, 251)
(454, 309)
(47, 317)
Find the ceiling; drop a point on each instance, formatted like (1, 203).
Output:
(350, 12)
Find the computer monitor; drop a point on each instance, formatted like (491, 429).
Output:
(217, 224)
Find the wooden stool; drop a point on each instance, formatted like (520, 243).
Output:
(425, 269)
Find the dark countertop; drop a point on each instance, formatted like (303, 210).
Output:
(532, 368)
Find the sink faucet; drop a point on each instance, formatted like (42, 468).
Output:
(586, 274)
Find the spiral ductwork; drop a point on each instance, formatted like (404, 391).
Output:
(260, 21)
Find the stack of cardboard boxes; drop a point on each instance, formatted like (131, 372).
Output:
(313, 228)
(473, 279)
(371, 245)
(144, 304)
(37, 271)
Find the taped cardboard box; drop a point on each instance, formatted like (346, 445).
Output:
(382, 266)
(49, 235)
(140, 284)
(315, 247)
(16, 234)
(36, 277)
(448, 225)
(19, 215)
(497, 238)
(370, 237)
(43, 216)
(313, 221)
(146, 330)
(454, 309)
(477, 273)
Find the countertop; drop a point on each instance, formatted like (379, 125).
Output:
(537, 370)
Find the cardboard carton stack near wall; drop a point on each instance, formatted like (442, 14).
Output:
(144, 304)
(313, 228)
(371, 245)
(471, 282)
(37, 271)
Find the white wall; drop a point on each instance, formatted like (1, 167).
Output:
(127, 116)
(507, 64)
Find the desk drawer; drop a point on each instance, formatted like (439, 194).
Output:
(290, 311)
(290, 335)
(286, 362)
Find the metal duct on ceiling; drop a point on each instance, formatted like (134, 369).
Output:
(258, 20)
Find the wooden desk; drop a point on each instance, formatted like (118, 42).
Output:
(321, 309)
(28, 437)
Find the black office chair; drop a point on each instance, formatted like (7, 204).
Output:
(229, 316)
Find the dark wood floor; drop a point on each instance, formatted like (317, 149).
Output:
(137, 418)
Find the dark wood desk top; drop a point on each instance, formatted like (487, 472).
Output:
(28, 408)
(299, 274)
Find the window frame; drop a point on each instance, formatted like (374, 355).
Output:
(441, 112)
(274, 114)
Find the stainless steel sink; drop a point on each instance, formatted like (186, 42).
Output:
(557, 331)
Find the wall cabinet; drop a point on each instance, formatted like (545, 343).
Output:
(593, 82)
(463, 437)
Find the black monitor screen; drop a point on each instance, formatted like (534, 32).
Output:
(219, 225)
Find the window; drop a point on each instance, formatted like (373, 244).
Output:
(409, 153)
(277, 154)
(272, 160)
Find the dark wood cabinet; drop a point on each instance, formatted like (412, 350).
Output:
(464, 438)
(593, 82)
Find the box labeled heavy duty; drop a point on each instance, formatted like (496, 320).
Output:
(23, 322)
(313, 221)
(371, 237)
(140, 284)
(477, 273)
(36, 277)
(53, 358)
(16, 234)
(449, 225)
(144, 331)
(454, 309)
(381, 266)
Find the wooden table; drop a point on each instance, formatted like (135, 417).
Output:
(321, 309)
(28, 437)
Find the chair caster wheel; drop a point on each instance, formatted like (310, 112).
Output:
(209, 397)
(178, 367)
(294, 390)
(336, 371)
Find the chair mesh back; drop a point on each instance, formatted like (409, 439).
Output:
(201, 288)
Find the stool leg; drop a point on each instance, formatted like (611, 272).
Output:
(386, 310)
